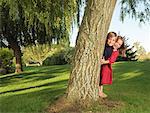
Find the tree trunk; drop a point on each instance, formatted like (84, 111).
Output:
(17, 53)
(84, 78)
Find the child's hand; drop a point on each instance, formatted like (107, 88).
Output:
(102, 61)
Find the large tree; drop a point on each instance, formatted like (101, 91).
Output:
(84, 78)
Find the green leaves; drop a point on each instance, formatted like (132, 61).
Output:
(138, 9)
(55, 15)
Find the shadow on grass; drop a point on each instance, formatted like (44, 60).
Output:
(35, 102)
(132, 72)
(62, 82)
(131, 81)
(35, 73)
(129, 78)
(32, 99)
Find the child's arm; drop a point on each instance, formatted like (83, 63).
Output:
(110, 60)
(103, 61)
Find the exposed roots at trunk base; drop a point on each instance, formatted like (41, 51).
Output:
(62, 105)
(18, 71)
(18, 68)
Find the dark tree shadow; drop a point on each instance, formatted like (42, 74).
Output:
(34, 74)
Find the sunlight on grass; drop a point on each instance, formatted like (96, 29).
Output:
(37, 87)
(33, 84)
(130, 75)
(8, 75)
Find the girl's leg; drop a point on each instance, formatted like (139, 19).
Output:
(101, 89)
(101, 93)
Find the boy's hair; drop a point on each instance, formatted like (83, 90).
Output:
(111, 34)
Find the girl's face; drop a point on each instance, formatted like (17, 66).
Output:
(118, 44)
(111, 41)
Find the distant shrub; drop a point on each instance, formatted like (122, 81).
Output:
(39, 52)
(56, 59)
(6, 63)
(147, 59)
(61, 57)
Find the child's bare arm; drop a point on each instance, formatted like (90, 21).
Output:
(110, 60)
(103, 61)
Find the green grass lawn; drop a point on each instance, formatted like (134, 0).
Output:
(33, 90)
(38, 87)
(131, 88)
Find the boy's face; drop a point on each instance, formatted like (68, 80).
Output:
(111, 41)
(118, 44)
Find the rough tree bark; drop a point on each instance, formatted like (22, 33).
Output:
(84, 78)
(17, 53)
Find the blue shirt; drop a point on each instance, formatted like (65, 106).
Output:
(107, 51)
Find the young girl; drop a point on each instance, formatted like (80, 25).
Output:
(106, 68)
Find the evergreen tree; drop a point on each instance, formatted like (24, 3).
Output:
(130, 55)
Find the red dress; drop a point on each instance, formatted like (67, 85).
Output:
(106, 69)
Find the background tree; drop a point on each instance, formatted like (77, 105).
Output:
(24, 22)
(141, 52)
(148, 56)
(130, 55)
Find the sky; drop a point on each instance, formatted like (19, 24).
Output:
(129, 28)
